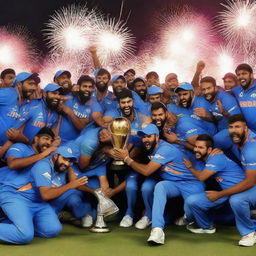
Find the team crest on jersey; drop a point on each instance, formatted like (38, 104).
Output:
(47, 175)
(241, 94)
(253, 95)
(75, 106)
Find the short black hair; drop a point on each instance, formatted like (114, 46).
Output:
(131, 70)
(6, 72)
(207, 138)
(158, 105)
(103, 71)
(152, 73)
(125, 93)
(236, 118)
(85, 78)
(244, 66)
(46, 130)
(208, 79)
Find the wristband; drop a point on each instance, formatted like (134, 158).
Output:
(128, 160)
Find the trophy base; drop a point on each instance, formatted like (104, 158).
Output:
(99, 230)
(118, 162)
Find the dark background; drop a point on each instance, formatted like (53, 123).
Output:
(34, 14)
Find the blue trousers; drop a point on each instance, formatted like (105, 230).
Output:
(26, 219)
(73, 200)
(240, 204)
(197, 208)
(170, 189)
(147, 190)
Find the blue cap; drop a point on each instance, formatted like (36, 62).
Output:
(60, 72)
(21, 77)
(185, 86)
(154, 89)
(96, 72)
(148, 130)
(66, 152)
(52, 88)
(114, 78)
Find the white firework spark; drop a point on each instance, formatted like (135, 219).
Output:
(55, 62)
(70, 28)
(237, 21)
(17, 48)
(115, 42)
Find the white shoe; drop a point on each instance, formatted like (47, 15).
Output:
(156, 236)
(181, 221)
(248, 240)
(87, 221)
(143, 223)
(126, 222)
(192, 227)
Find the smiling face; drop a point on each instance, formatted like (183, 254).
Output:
(42, 142)
(65, 82)
(185, 98)
(201, 150)
(118, 85)
(208, 91)
(126, 106)
(52, 99)
(61, 164)
(238, 131)
(245, 78)
(150, 142)
(158, 117)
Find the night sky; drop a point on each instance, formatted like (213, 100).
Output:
(34, 14)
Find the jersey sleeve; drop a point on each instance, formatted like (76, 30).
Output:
(113, 113)
(163, 155)
(41, 173)
(248, 157)
(16, 150)
(215, 163)
(230, 105)
(88, 147)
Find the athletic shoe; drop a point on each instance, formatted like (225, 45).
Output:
(126, 222)
(182, 221)
(156, 236)
(197, 230)
(248, 240)
(87, 221)
(143, 223)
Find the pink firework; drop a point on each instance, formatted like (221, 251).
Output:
(17, 49)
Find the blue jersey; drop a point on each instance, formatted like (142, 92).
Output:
(110, 102)
(9, 110)
(136, 124)
(227, 172)
(44, 175)
(171, 159)
(229, 104)
(31, 114)
(247, 153)
(51, 117)
(247, 103)
(67, 129)
(14, 180)
(198, 102)
(88, 145)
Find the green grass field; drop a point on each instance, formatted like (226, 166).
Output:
(122, 241)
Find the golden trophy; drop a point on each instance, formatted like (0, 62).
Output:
(120, 130)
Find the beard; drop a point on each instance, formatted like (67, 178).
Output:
(117, 89)
(247, 85)
(142, 94)
(59, 167)
(210, 96)
(41, 148)
(27, 93)
(199, 156)
(149, 151)
(52, 104)
(127, 111)
(159, 124)
(188, 103)
(101, 86)
(239, 138)
(83, 98)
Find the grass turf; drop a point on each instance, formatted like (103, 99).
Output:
(130, 241)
